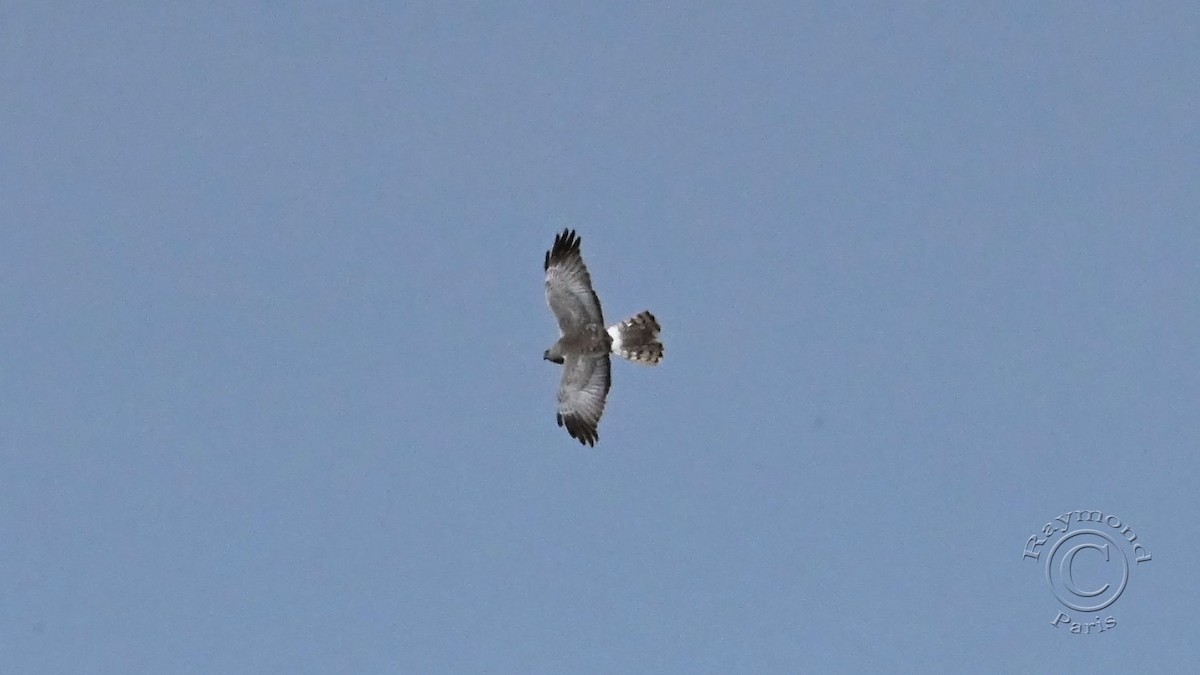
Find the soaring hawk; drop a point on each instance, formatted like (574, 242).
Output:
(585, 344)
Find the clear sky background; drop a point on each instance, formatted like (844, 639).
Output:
(272, 396)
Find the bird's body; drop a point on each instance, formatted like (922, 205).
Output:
(585, 343)
(590, 342)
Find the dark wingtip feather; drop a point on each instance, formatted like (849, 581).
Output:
(578, 429)
(565, 245)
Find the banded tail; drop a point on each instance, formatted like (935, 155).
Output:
(636, 339)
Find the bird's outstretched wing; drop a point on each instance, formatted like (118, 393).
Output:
(569, 289)
(585, 383)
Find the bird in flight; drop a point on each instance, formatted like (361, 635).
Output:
(584, 347)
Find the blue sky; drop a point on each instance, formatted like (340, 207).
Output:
(272, 396)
